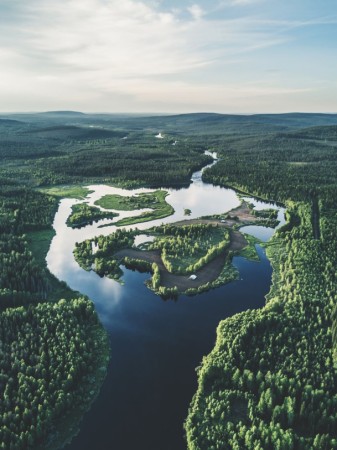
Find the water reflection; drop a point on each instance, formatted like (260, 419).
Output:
(155, 345)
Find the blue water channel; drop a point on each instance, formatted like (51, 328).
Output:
(155, 344)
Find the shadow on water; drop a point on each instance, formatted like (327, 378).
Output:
(155, 347)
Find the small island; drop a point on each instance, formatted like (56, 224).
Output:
(154, 201)
(186, 257)
(82, 214)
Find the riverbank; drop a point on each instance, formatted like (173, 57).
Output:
(65, 427)
(184, 283)
(155, 201)
(170, 281)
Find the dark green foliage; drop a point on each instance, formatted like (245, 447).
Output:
(98, 253)
(83, 214)
(270, 382)
(49, 373)
(278, 360)
(49, 358)
(276, 167)
(186, 249)
(137, 264)
(21, 278)
(267, 217)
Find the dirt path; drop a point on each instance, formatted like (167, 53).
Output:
(242, 214)
(208, 273)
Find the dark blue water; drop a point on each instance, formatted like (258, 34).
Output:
(155, 347)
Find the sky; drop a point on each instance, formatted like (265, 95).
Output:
(226, 56)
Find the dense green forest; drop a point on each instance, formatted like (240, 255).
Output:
(98, 253)
(186, 249)
(270, 382)
(177, 250)
(48, 376)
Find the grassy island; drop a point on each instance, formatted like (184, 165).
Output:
(182, 258)
(188, 248)
(152, 200)
(82, 214)
(271, 380)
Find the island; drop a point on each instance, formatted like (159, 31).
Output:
(186, 257)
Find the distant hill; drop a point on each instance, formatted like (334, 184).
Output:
(64, 132)
(328, 133)
(10, 122)
(297, 120)
(102, 125)
(64, 113)
(213, 123)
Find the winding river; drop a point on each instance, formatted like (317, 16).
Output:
(155, 344)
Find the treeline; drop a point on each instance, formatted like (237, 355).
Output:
(186, 249)
(98, 253)
(50, 354)
(270, 382)
(21, 210)
(49, 152)
(275, 167)
(145, 161)
(82, 214)
(49, 374)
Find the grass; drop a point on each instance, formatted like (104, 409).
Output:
(39, 244)
(154, 200)
(189, 246)
(249, 252)
(83, 214)
(228, 274)
(124, 203)
(78, 192)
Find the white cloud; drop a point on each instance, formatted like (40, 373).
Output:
(196, 11)
(130, 55)
(123, 39)
(239, 2)
(245, 2)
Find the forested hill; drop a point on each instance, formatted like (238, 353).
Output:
(270, 382)
(205, 123)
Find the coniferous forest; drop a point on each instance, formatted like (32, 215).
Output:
(270, 381)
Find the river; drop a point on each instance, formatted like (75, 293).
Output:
(155, 344)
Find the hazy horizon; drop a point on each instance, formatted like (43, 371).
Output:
(160, 113)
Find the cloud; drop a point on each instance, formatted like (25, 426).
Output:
(130, 55)
(112, 40)
(196, 11)
(239, 2)
(245, 2)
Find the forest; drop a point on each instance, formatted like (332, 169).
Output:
(186, 249)
(270, 382)
(175, 250)
(47, 371)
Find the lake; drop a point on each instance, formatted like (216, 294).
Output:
(155, 344)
